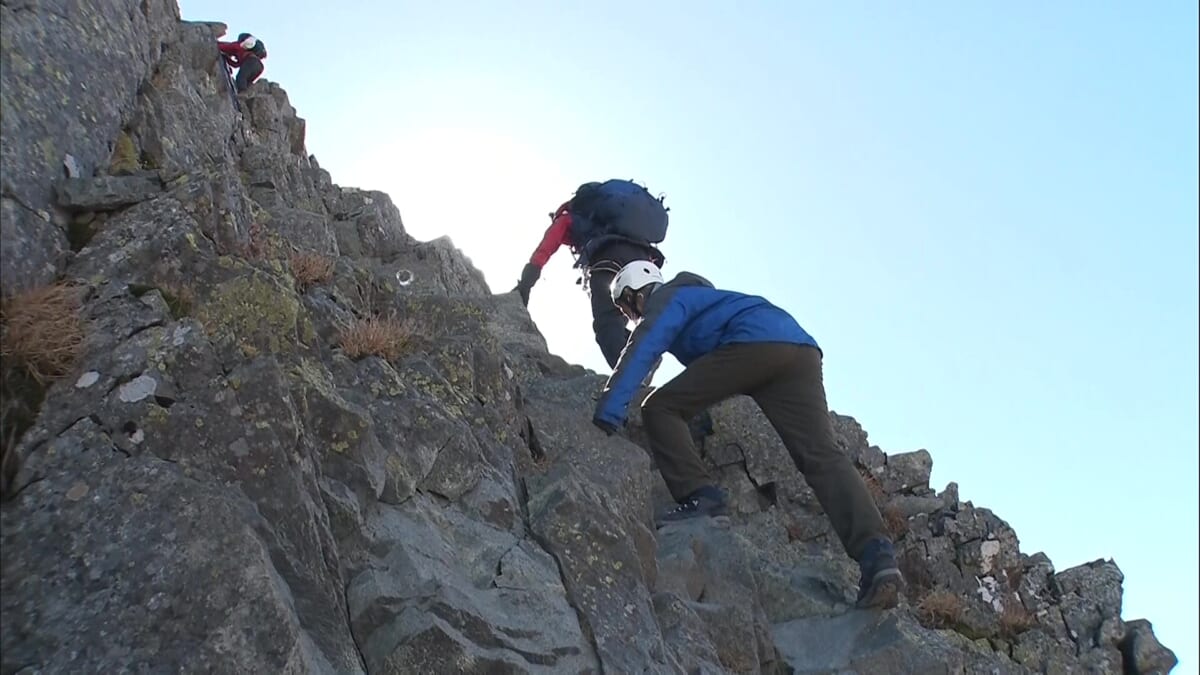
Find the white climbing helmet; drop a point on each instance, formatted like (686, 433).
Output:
(635, 276)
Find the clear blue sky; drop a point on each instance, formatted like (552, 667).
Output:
(985, 212)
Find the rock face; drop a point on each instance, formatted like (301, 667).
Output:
(47, 119)
(231, 483)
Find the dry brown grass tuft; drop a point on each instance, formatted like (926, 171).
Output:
(895, 521)
(940, 609)
(310, 269)
(873, 486)
(41, 338)
(179, 299)
(386, 337)
(1015, 619)
(41, 330)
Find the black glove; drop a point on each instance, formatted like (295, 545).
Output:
(529, 277)
(607, 427)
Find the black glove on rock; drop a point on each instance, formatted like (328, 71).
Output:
(529, 277)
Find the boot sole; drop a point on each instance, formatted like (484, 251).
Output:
(884, 592)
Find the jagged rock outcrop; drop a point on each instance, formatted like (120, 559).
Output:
(231, 481)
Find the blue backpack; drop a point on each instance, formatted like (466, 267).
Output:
(615, 210)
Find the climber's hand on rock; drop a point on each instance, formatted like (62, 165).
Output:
(523, 291)
(529, 276)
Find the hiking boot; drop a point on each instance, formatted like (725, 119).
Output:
(708, 501)
(881, 583)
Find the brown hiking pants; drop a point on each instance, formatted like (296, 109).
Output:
(785, 380)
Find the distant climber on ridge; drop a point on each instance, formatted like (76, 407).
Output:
(246, 54)
(606, 225)
(731, 343)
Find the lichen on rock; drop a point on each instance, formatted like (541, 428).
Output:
(254, 311)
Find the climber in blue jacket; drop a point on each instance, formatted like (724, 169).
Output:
(732, 343)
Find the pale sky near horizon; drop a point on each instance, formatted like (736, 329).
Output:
(986, 213)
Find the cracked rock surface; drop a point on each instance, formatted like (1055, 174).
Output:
(223, 485)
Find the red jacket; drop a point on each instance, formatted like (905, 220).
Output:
(234, 53)
(558, 234)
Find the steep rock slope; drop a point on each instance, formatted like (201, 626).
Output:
(226, 483)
